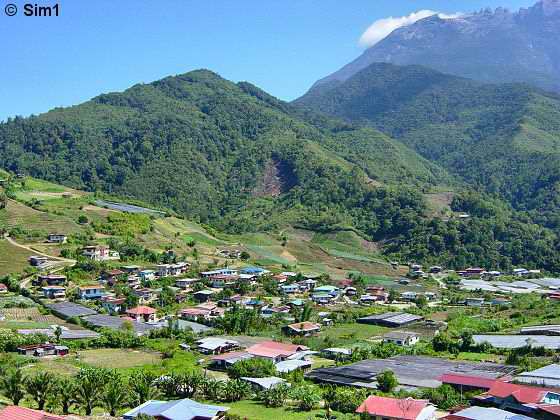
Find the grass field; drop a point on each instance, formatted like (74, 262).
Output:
(255, 411)
(12, 258)
(346, 334)
(117, 358)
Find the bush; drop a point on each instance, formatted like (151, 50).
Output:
(253, 368)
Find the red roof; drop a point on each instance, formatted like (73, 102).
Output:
(550, 408)
(3, 286)
(467, 380)
(230, 355)
(274, 349)
(305, 326)
(407, 409)
(522, 393)
(22, 413)
(141, 310)
(195, 311)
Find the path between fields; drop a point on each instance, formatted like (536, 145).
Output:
(25, 281)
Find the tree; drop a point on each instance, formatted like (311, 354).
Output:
(65, 391)
(142, 387)
(275, 396)
(306, 396)
(235, 390)
(115, 394)
(386, 381)
(82, 219)
(393, 295)
(254, 367)
(57, 333)
(329, 397)
(39, 386)
(89, 388)
(421, 301)
(13, 385)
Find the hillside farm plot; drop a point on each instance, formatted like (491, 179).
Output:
(29, 219)
(12, 258)
(29, 318)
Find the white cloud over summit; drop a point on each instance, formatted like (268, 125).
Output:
(383, 27)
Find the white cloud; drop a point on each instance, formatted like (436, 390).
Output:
(379, 29)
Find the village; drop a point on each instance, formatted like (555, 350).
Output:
(432, 343)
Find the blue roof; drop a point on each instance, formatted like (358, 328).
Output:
(252, 270)
(185, 409)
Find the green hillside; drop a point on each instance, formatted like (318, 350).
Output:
(232, 157)
(503, 138)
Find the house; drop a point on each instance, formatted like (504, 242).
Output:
(328, 289)
(472, 301)
(147, 275)
(203, 295)
(484, 413)
(268, 311)
(304, 329)
(520, 399)
(401, 338)
(254, 271)
(397, 409)
(185, 283)
(263, 384)
(221, 271)
(99, 253)
(275, 351)
(142, 314)
(144, 294)
(131, 269)
(184, 409)
(224, 361)
(40, 350)
(113, 305)
(49, 279)
(193, 314)
(288, 366)
(112, 276)
(171, 270)
(409, 296)
(38, 261)
(56, 238)
(368, 299)
(390, 319)
(465, 383)
(216, 345)
(337, 353)
(54, 292)
(91, 292)
(322, 298)
(3, 288)
(289, 288)
(13, 412)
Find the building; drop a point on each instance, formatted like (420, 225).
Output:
(3, 288)
(185, 409)
(147, 275)
(304, 329)
(412, 372)
(401, 338)
(54, 292)
(263, 384)
(337, 353)
(13, 412)
(484, 413)
(203, 295)
(219, 272)
(142, 314)
(224, 361)
(216, 345)
(91, 292)
(40, 350)
(56, 238)
(517, 341)
(520, 399)
(113, 305)
(275, 351)
(100, 253)
(49, 279)
(465, 383)
(288, 366)
(397, 409)
(547, 376)
(38, 261)
(390, 319)
(289, 288)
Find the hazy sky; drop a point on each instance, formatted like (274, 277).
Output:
(282, 46)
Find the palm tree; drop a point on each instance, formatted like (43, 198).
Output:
(39, 386)
(142, 387)
(65, 391)
(235, 390)
(89, 387)
(115, 394)
(329, 397)
(12, 384)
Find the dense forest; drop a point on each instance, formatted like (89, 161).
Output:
(234, 157)
(503, 139)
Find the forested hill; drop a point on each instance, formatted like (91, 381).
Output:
(503, 138)
(234, 157)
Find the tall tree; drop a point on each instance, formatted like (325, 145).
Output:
(13, 385)
(39, 386)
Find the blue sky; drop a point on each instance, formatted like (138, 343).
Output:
(98, 46)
